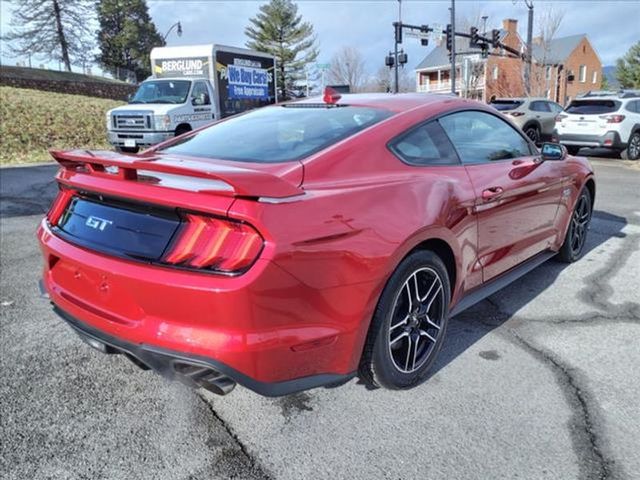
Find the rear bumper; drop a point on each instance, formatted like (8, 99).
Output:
(610, 139)
(264, 329)
(168, 363)
(143, 139)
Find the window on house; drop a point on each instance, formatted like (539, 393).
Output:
(495, 72)
(595, 77)
(548, 73)
(547, 94)
(583, 73)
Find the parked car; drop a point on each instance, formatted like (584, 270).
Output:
(535, 116)
(607, 121)
(305, 243)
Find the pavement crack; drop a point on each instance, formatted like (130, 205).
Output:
(259, 470)
(597, 290)
(594, 464)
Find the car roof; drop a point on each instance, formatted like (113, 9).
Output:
(395, 102)
(522, 99)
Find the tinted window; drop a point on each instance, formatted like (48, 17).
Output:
(633, 106)
(278, 134)
(592, 107)
(555, 108)
(503, 105)
(539, 107)
(425, 145)
(481, 137)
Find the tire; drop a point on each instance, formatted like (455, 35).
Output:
(576, 236)
(572, 150)
(533, 133)
(182, 129)
(128, 149)
(632, 152)
(406, 334)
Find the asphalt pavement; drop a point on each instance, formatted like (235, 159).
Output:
(538, 381)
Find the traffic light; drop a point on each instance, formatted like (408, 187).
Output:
(424, 41)
(449, 36)
(402, 58)
(398, 27)
(495, 38)
(485, 50)
(389, 60)
(473, 42)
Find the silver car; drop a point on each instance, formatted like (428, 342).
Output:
(535, 116)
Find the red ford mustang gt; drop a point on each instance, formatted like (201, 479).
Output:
(302, 244)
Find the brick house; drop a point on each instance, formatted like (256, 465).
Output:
(562, 68)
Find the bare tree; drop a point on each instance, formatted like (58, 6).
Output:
(348, 68)
(383, 81)
(58, 29)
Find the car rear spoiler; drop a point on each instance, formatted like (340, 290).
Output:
(239, 181)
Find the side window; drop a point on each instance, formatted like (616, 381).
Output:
(633, 106)
(539, 107)
(200, 94)
(426, 144)
(480, 137)
(555, 108)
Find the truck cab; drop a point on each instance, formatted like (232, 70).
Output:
(191, 86)
(160, 109)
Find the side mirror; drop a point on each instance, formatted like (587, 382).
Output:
(553, 151)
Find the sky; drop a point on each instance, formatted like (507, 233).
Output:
(612, 26)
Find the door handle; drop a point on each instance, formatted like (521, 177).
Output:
(491, 193)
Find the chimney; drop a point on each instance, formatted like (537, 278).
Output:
(510, 25)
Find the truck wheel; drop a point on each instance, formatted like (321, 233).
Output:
(632, 152)
(572, 150)
(128, 149)
(182, 129)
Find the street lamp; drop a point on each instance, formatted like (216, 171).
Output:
(179, 31)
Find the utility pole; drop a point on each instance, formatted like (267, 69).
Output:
(396, 84)
(527, 71)
(453, 47)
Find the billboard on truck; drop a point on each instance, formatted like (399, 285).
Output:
(180, 67)
(244, 81)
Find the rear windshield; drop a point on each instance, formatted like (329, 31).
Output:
(278, 134)
(592, 107)
(503, 105)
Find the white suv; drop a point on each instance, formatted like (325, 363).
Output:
(602, 121)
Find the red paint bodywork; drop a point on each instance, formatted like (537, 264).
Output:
(335, 226)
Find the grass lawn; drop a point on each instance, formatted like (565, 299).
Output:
(33, 121)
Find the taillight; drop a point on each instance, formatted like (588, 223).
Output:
(613, 118)
(59, 205)
(214, 244)
(516, 114)
(560, 117)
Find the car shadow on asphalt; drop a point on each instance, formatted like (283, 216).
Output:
(466, 328)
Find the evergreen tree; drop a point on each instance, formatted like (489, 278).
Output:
(57, 29)
(279, 30)
(628, 68)
(126, 36)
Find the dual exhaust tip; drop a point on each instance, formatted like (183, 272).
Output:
(191, 374)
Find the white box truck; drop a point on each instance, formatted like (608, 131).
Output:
(191, 86)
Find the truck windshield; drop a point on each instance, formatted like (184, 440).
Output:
(162, 91)
(278, 134)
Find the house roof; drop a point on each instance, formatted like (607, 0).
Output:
(440, 55)
(559, 49)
